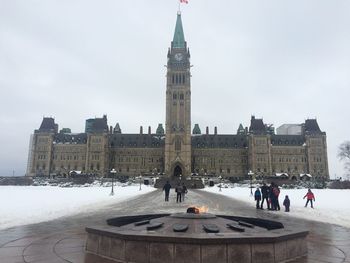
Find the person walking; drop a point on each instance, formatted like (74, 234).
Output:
(183, 192)
(166, 189)
(286, 203)
(178, 191)
(257, 196)
(265, 196)
(309, 197)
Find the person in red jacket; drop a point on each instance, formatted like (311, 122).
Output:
(309, 197)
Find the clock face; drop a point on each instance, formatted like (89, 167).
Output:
(178, 56)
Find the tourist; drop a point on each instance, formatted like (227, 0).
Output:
(286, 203)
(257, 196)
(166, 189)
(265, 196)
(310, 197)
(276, 192)
(183, 192)
(272, 196)
(178, 190)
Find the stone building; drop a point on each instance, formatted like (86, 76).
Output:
(177, 150)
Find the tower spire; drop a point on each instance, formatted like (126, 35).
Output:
(179, 37)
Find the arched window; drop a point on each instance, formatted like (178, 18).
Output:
(176, 79)
(181, 96)
(178, 144)
(173, 78)
(174, 96)
(183, 78)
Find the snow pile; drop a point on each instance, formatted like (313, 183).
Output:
(331, 206)
(21, 205)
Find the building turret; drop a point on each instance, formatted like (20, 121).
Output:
(240, 130)
(117, 128)
(178, 106)
(160, 129)
(196, 129)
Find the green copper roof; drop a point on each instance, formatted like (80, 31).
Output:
(160, 129)
(241, 130)
(196, 129)
(179, 38)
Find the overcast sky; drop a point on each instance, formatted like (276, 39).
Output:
(283, 61)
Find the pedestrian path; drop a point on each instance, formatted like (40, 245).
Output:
(63, 240)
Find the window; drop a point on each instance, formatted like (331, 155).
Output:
(181, 96)
(178, 144)
(174, 96)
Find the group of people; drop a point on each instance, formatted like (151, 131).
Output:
(181, 191)
(271, 194)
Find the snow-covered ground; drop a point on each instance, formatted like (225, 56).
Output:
(21, 205)
(331, 206)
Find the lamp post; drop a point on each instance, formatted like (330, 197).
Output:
(113, 172)
(140, 177)
(250, 174)
(220, 185)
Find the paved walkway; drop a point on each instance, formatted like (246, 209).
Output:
(63, 240)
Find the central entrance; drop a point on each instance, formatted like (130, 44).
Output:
(177, 171)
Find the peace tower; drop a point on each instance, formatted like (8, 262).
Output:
(178, 106)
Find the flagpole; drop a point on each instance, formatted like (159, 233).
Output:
(179, 11)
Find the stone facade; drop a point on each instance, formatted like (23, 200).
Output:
(178, 151)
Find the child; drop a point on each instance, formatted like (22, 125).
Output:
(286, 203)
(309, 197)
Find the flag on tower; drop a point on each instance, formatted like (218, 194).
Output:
(184, 1)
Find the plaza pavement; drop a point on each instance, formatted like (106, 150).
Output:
(63, 240)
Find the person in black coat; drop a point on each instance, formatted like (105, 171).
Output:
(184, 192)
(178, 191)
(286, 203)
(166, 189)
(265, 196)
(257, 196)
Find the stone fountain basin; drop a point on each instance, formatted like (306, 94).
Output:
(122, 239)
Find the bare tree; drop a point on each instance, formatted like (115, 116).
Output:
(344, 155)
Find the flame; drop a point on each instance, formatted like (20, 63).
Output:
(200, 209)
(203, 209)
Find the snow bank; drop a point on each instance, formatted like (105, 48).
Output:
(331, 206)
(21, 205)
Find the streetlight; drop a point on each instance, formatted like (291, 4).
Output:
(250, 174)
(220, 178)
(113, 172)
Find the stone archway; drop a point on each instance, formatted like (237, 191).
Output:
(177, 171)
